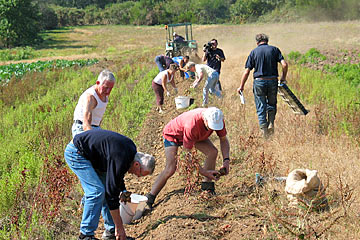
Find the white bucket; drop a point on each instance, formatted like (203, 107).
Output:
(182, 102)
(140, 200)
(134, 210)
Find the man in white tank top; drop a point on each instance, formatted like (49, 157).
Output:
(92, 103)
(88, 114)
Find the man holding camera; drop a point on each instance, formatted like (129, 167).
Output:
(214, 56)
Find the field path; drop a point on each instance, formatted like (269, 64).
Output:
(297, 143)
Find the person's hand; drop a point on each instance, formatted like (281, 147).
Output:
(283, 81)
(168, 93)
(226, 166)
(175, 90)
(211, 174)
(125, 197)
(120, 233)
(240, 89)
(195, 83)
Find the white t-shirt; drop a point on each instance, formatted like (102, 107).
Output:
(97, 113)
(159, 77)
(205, 69)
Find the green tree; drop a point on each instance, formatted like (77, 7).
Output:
(18, 22)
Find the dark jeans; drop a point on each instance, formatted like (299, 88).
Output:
(265, 93)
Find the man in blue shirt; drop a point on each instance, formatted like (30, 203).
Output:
(214, 56)
(264, 59)
(92, 153)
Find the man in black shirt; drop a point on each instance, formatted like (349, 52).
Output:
(97, 151)
(214, 56)
(264, 59)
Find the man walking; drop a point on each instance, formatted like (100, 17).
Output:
(92, 104)
(193, 128)
(264, 59)
(214, 56)
(97, 151)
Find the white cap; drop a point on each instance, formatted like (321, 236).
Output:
(174, 33)
(214, 118)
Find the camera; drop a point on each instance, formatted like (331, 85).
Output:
(207, 46)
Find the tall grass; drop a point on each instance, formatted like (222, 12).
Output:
(34, 178)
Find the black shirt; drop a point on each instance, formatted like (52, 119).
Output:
(265, 60)
(212, 60)
(108, 152)
(166, 61)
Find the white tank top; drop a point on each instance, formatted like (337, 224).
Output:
(97, 112)
(158, 78)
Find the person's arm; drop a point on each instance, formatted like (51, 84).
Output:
(204, 58)
(164, 83)
(220, 56)
(225, 150)
(119, 227)
(243, 80)
(180, 64)
(172, 82)
(89, 105)
(199, 77)
(284, 66)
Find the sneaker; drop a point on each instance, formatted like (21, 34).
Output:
(87, 237)
(109, 235)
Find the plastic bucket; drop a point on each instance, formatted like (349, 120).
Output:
(127, 212)
(140, 200)
(182, 102)
(134, 210)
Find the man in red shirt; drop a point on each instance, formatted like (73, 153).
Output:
(190, 129)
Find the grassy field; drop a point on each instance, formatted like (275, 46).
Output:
(38, 125)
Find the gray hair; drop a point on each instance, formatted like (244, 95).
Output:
(190, 65)
(106, 75)
(261, 37)
(147, 161)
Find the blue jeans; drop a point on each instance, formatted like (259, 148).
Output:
(78, 128)
(94, 191)
(210, 85)
(159, 63)
(265, 94)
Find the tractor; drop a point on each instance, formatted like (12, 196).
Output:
(178, 44)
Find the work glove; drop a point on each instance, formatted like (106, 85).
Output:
(175, 90)
(168, 94)
(125, 197)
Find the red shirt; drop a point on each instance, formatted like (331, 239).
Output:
(189, 128)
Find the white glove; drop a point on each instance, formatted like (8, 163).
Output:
(175, 90)
(168, 94)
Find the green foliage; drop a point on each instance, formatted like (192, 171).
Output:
(349, 72)
(37, 128)
(312, 56)
(18, 53)
(18, 22)
(19, 69)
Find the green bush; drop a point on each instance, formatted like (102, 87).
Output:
(19, 53)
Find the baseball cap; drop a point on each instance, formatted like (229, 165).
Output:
(214, 118)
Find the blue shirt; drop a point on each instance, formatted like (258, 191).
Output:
(264, 59)
(108, 152)
(212, 61)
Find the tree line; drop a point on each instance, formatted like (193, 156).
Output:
(21, 21)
